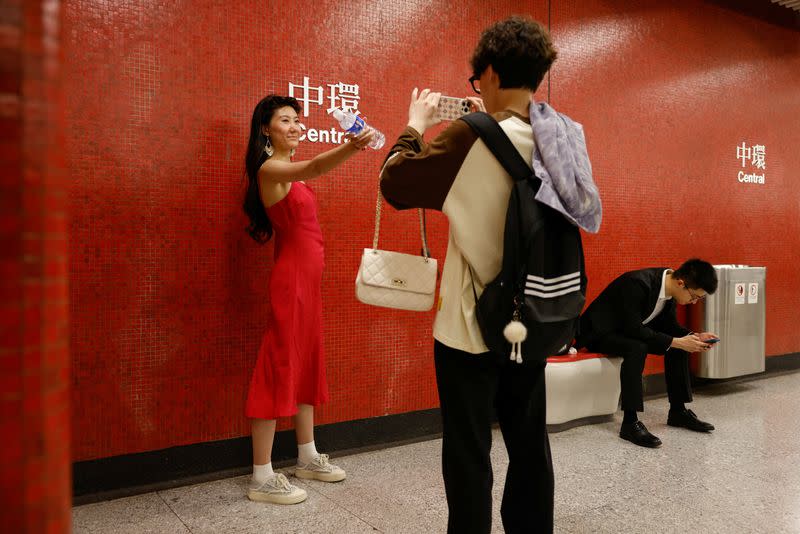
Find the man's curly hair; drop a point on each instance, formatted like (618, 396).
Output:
(520, 51)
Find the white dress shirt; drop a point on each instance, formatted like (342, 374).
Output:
(662, 298)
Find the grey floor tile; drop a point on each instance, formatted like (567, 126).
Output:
(396, 490)
(142, 514)
(744, 477)
(221, 507)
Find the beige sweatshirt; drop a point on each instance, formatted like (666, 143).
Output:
(458, 175)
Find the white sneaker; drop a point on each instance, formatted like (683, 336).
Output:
(320, 469)
(276, 490)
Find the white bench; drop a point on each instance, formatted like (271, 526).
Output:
(581, 388)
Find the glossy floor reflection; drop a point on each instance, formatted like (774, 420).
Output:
(743, 478)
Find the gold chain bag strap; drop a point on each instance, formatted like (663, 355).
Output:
(393, 279)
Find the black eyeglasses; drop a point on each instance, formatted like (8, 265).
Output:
(694, 296)
(472, 81)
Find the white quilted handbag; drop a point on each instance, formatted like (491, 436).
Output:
(396, 280)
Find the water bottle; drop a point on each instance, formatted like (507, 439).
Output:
(353, 124)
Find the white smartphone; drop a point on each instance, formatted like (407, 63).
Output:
(451, 108)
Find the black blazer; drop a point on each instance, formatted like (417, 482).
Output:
(624, 304)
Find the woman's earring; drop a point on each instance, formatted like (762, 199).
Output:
(268, 148)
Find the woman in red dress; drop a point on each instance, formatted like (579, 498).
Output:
(289, 377)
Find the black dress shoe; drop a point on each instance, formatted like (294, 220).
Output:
(637, 433)
(687, 419)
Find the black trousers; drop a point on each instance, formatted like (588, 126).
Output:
(633, 353)
(472, 389)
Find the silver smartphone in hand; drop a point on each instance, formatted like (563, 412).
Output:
(451, 108)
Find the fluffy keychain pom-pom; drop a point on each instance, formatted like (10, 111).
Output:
(515, 332)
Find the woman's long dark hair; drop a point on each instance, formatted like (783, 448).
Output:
(260, 227)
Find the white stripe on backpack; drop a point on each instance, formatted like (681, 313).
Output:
(551, 295)
(532, 285)
(548, 288)
(532, 278)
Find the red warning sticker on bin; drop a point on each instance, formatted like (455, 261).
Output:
(739, 293)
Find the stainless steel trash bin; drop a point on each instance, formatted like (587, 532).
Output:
(736, 312)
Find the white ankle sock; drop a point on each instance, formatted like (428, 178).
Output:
(306, 453)
(262, 472)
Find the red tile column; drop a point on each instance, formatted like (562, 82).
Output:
(35, 472)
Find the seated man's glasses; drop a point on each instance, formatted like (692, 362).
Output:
(695, 297)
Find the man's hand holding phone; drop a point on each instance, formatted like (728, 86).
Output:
(451, 108)
(476, 103)
(708, 337)
(695, 342)
(422, 110)
(428, 108)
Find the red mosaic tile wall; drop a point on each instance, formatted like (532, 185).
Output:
(168, 295)
(666, 92)
(35, 458)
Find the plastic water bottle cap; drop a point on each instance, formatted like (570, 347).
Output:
(338, 114)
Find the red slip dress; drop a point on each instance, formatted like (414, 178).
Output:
(290, 369)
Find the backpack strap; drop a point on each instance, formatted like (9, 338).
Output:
(499, 144)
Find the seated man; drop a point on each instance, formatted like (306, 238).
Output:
(634, 316)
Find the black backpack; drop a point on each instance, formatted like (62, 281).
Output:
(542, 282)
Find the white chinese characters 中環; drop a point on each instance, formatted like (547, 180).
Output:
(345, 96)
(756, 155)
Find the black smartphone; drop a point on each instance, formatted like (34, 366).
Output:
(712, 340)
